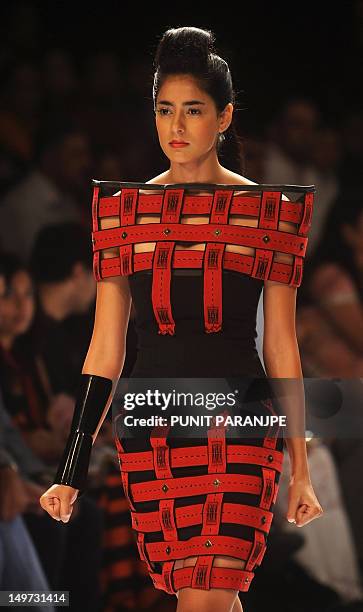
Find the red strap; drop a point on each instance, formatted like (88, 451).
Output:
(220, 577)
(213, 263)
(247, 206)
(170, 216)
(270, 210)
(199, 545)
(202, 455)
(195, 485)
(268, 488)
(188, 516)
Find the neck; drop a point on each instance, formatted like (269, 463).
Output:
(204, 170)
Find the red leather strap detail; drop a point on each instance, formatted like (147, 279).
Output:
(212, 287)
(257, 550)
(202, 572)
(195, 485)
(268, 488)
(167, 519)
(171, 210)
(297, 272)
(95, 207)
(262, 264)
(172, 205)
(270, 439)
(225, 578)
(237, 262)
(126, 260)
(200, 455)
(167, 577)
(270, 210)
(212, 512)
(193, 515)
(143, 552)
(128, 206)
(217, 448)
(221, 205)
(161, 452)
(97, 273)
(229, 234)
(128, 202)
(199, 545)
(307, 214)
(127, 489)
(160, 292)
(213, 263)
(248, 206)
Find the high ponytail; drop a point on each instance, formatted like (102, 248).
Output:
(190, 50)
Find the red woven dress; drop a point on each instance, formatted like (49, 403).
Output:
(196, 317)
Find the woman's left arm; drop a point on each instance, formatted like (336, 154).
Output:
(282, 361)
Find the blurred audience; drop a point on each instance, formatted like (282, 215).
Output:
(61, 264)
(52, 192)
(42, 417)
(330, 316)
(331, 561)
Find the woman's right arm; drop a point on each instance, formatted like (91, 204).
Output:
(107, 349)
(100, 373)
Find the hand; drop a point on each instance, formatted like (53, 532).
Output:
(303, 505)
(13, 495)
(58, 501)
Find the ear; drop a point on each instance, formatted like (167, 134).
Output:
(225, 117)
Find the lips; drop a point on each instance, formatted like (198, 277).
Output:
(178, 143)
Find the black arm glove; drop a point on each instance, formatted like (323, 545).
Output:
(92, 397)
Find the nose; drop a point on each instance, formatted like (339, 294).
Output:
(178, 124)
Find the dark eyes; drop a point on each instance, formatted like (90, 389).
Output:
(192, 111)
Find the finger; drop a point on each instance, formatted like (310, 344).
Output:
(52, 505)
(292, 510)
(305, 515)
(65, 510)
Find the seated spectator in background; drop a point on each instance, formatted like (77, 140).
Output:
(61, 264)
(325, 157)
(42, 417)
(330, 560)
(350, 168)
(55, 544)
(290, 136)
(330, 323)
(301, 152)
(20, 567)
(20, 114)
(53, 192)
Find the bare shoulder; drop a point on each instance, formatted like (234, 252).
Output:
(161, 179)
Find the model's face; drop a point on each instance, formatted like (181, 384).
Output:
(186, 113)
(17, 305)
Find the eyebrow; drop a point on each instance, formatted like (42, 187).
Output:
(188, 103)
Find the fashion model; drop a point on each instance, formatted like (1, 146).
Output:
(193, 248)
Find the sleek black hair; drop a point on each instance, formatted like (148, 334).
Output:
(57, 249)
(190, 50)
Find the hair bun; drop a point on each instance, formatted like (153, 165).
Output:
(184, 47)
